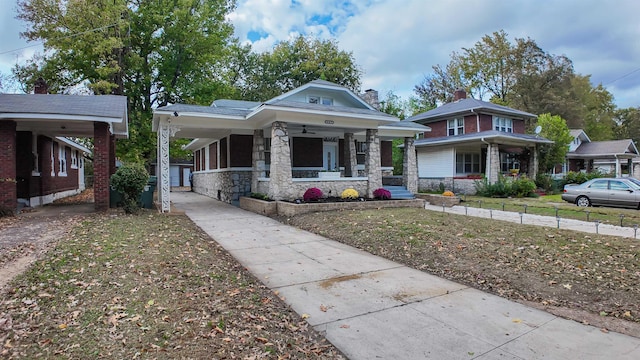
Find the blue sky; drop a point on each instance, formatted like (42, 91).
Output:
(396, 42)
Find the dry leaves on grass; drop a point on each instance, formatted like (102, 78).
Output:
(148, 286)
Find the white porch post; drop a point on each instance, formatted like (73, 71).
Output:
(372, 162)
(280, 183)
(618, 168)
(164, 133)
(410, 166)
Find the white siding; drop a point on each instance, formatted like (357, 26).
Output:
(435, 162)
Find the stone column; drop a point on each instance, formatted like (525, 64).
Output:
(533, 162)
(410, 166)
(101, 171)
(257, 159)
(8, 185)
(372, 162)
(618, 168)
(493, 163)
(350, 160)
(280, 182)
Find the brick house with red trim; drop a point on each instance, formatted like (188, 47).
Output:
(39, 163)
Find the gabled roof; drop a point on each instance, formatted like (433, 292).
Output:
(493, 136)
(579, 133)
(329, 108)
(611, 148)
(465, 107)
(236, 104)
(56, 108)
(326, 85)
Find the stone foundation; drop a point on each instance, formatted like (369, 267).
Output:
(328, 187)
(225, 186)
(439, 200)
(283, 208)
(455, 185)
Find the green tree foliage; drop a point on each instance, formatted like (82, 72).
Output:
(130, 180)
(292, 64)
(628, 124)
(154, 52)
(553, 128)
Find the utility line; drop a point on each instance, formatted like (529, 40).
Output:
(60, 38)
(622, 77)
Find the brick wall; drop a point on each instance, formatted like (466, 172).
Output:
(101, 151)
(8, 193)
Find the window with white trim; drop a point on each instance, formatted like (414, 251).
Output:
(509, 162)
(35, 166)
(502, 124)
(74, 159)
(62, 160)
(313, 99)
(467, 163)
(267, 151)
(455, 126)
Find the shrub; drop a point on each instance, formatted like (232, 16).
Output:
(259, 196)
(350, 194)
(447, 193)
(312, 194)
(505, 187)
(130, 180)
(382, 194)
(545, 182)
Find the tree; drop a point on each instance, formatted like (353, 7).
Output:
(553, 128)
(295, 63)
(154, 52)
(628, 124)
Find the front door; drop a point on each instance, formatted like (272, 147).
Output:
(330, 156)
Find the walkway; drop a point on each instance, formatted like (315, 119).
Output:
(373, 308)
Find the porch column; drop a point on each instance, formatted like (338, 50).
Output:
(257, 159)
(101, 171)
(636, 170)
(618, 168)
(493, 163)
(162, 168)
(280, 182)
(8, 185)
(350, 160)
(112, 154)
(410, 166)
(372, 162)
(533, 162)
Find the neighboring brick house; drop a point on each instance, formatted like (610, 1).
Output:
(287, 144)
(470, 139)
(617, 157)
(39, 163)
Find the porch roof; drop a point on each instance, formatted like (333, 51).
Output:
(65, 115)
(491, 136)
(605, 149)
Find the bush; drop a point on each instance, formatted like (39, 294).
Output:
(312, 194)
(506, 187)
(579, 177)
(130, 180)
(382, 194)
(545, 182)
(259, 196)
(350, 194)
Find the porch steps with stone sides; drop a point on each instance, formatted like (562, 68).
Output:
(399, 192)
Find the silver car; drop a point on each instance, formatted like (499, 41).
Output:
(621, 192)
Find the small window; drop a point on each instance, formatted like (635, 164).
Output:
(455, 126)
(502, 124)
(361, 147)
(327, 101)
(314, 99)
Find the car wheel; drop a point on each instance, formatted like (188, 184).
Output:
(583, 201)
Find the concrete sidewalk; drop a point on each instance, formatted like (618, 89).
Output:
(373, 308)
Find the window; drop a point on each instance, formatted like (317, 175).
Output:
(320, 100)
(508, 162)
(361, 147)
(62, 160)
(455, 126)
(74, 159)
(502, 124)
(267, 151)
(600, 184)
(467, 163)
(53, 159)
(618, 185)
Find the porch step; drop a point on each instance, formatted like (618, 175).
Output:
(399, 192)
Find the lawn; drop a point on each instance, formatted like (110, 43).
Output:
(148, 286)
(590, 278)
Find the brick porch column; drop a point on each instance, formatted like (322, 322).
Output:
(112, 154)
(280, 182)
(410, 166)
(372, 162)
(8, 186)
(350, 160)
(101, 171)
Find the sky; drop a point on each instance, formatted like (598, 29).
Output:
(397, 42)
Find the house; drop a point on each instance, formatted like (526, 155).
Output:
(179, 171)
(470, 139)
(39, 162)
(285, 145)
(613, 156)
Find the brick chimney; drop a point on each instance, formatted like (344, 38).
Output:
(41, 87)
(370, 96)
(459, 95)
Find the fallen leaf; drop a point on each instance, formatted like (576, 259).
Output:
(516, 320)
(62, 326)
(323, 308)
(306, 316)
(344, 326)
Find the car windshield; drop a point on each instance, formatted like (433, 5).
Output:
(635, 182)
